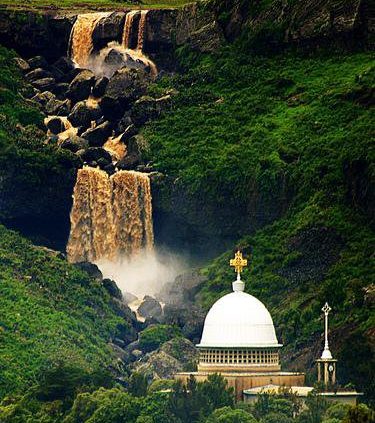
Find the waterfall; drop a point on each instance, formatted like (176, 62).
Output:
(132, 212)
(111, 217)
(81, 44)
(141, 30)
(126, 39)
(128, 27)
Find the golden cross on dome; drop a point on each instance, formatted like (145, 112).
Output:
(238, 263)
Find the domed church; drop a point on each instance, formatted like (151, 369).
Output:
(240, 343)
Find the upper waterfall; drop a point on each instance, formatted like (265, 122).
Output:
(81, 43)
(127, 52)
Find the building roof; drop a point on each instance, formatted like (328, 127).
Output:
(300, 391)
(238, 320)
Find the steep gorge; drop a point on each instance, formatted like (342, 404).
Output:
(247, 141)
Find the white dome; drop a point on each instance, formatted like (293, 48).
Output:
(238, 320)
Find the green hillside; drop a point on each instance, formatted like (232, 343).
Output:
(51, 314)
(89, 4)
(244, 127)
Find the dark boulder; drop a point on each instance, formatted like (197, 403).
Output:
(181, 349)
(111, 108)
(112, 288)
(57, 74)
(118, 351)
(129, 133)
(22, 65)
(82, 114)
(72, 74)
(115, 59)
(94, 154)
(90, 268)
(38, 62)
(38, 73)
(61, 89)
(129, 297)
(133, 157)
(147, 108)
(187, 316)
(45, 84)
(80, 87)
(129, 162)
(125, 124)
(74, 144)
(125, 86)
(150, 308)
(42, 98)
(109, 28)
(58, 107)
(123, 310)
(97, 136)
(64, 64)
(158, 365)
(100, 86)
(56, 125)
(110, 169)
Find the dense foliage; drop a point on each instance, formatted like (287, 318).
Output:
(30, 169)
(155, 335)
(52, 317)
(197, 402)
(245, 128)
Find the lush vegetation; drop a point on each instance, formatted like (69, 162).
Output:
(52, 316)
(197, 402)
(30, 169)
(249, 126)
(155, 335)
(91, 4)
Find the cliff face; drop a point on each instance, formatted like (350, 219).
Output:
(204, 26)
(298, 22)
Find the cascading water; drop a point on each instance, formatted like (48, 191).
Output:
(132, 212)
(81, 48)
(128, 27)
(141, 30)
(81, 43)
(111, 217)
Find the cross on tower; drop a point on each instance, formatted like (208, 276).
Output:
(326, 309)
(326, 364)
(238, 262)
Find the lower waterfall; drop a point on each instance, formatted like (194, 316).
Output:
(111, 217)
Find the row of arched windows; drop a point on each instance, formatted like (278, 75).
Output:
(232, 356)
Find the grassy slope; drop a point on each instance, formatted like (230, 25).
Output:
(89, 4)
(242, 121)
(49, 312)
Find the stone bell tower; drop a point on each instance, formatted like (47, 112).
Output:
(326, 363)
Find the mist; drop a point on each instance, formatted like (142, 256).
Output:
(145, 274)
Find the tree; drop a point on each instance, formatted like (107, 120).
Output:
(336, 411)
(63, 380)
(138, 384)
(155, 408)
(104, 406)
(269, 402)
(316, 407)
(276, 418)
(215, 392)
(360, 414)
(197, 400)
(230, 415)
